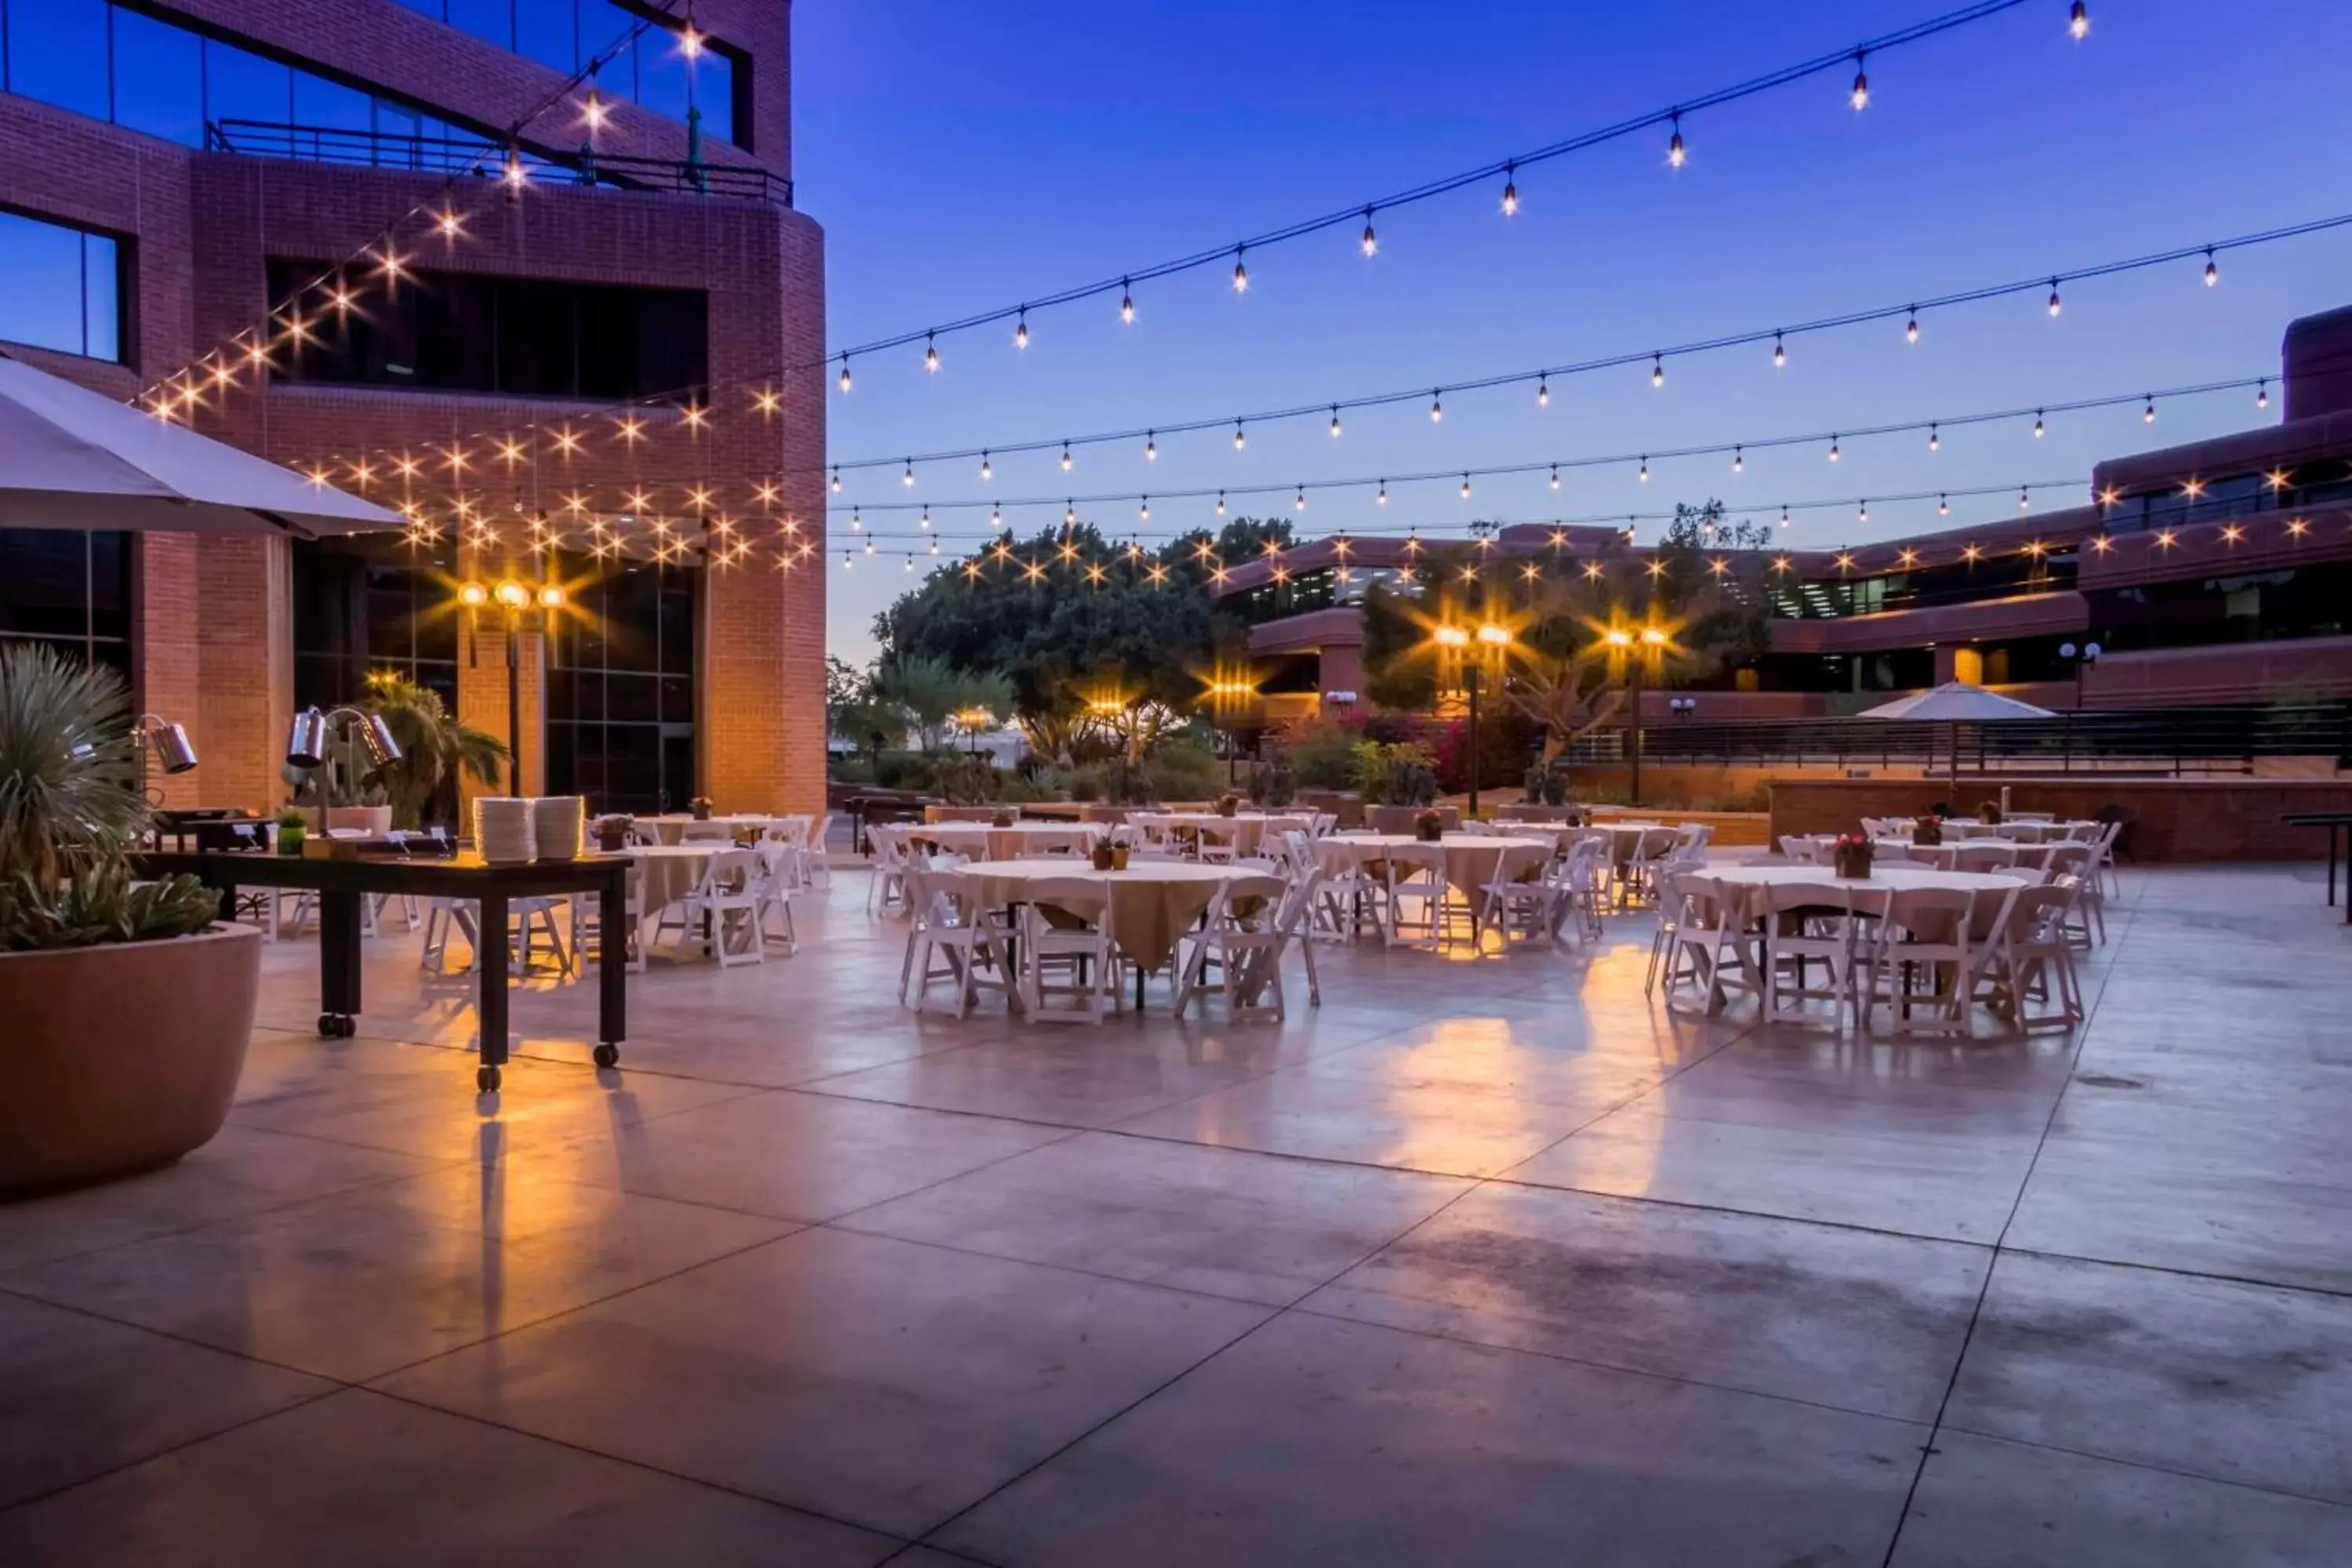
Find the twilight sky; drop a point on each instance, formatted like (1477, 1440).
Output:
(966, 156)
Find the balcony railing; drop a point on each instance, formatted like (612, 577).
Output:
(423, 154)
(2166, 742)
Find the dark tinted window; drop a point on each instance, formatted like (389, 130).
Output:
(621, 694)
(527, 336)
(69, 590)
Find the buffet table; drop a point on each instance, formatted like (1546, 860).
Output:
(341, 881)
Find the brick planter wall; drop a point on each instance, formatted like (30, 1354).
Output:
(2173, 820)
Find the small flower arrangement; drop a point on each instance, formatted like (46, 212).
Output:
(1990, 813)
(700, 807)
(1002, 819)
(293, 825)
(1927, 830)
(1228, 804)
(612, 830)
(1851, 854)
(1428, 827)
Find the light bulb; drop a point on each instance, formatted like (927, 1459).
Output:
(837, 480)
(2037, 425)
(1066, 457)
(1437, 409)
(1555, 476)
(870, 544)
(926, 521)
(845, 373)
(2024, 499)
(1383, 498)
(1943, 506)
(1862, 512)
(1738, 461)
(2053, 296)
(1644, 475)
(1784, 517)
(1510, 190)
(1021, 332)
(908, 477)
(2263, 395)
(1335, 423)
(1144, 512)
(1861, 86)
(1466, 487)
(1069, 513)
(1150, 447)
(1240, 439)
(1657, 371)
(857, 519)
(1911, 330)
(935, 547)
(1300, 504)
(930, 354)
(1780, 353)
(2212, 270)
(1240, 272)
(995, 517)
(1371, 240)
(1834, 453)
(910, 562)
(987, 470)
(1934, 440)
(1675, 153)
(2148, 414)
(1221, 503)
(1543, 392)
(2078, 21)
(1126, 301)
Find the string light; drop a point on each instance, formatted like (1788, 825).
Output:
(836, 479)
(1780, 353)
(2037, 425)
(1021, 332)
(1555, 476)
(1657, 371)
(2148, 414)
(1144, 511)
(1241, 269)
(908, 478)
(2212, 269)
(995, 517)
(1543, 392)
(926, 522)
(1935, 440)
(1943, 506)
(987, 469)
(932, 352)
(1221, 503)
(2053, 296)
(1126, 301)
(1739, 460)
(1066, 457)
(1466, 487)
(1834, 453)
(845, 373)
(1371, 240)
(1240, 439)
(1861, 511)
(1335, 422)
(1675, 153)
(857, 519)
(1644, 475)
(592, 112)
(2262, 394)
(1383, 498)
(1437, 409)
(1069, 513)
(2025, 498)
(2078, 22)
(1911, 327)
(1784, 516)
(1861, 84)
(1510, 190)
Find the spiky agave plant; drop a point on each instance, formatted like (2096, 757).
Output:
(70, 812)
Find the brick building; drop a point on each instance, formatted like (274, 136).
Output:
(626, 273)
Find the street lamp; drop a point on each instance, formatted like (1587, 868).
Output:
(515, 602)
(2082, 659)
(1492, 642)
(1638, 650)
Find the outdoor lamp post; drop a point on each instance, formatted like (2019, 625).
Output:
(1473, 649)
(516, 602)
(1639, 649)
(2082, 659)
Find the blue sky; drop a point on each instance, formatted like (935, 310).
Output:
(964, 157)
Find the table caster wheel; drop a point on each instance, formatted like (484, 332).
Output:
(326, 1026)
(607, 1053)
(486, 1079)
(347, 1025)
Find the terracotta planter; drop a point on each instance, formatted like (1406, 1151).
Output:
(121, 1058)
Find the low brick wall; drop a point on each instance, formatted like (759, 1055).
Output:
(2173, 820)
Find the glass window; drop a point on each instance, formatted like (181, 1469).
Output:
(621, 688)
(64, 287)
(241, 86)
(158, 78)
(58, 53)
(68, 589)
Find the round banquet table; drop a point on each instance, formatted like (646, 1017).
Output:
(1248, 828)
(1469, 856)
(1152, 903)
(668, 872)
(671, 826)
(988, 841)
(1898, 877)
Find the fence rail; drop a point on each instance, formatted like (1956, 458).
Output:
(2163, 742)
(422, 154)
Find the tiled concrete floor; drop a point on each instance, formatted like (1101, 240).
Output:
(1480, 1262)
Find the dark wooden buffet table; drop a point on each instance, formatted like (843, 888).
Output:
(341, 883)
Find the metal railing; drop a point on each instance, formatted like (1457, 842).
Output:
(2159, 741)
(423, 154)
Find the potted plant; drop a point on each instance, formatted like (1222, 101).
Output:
(436, 751)
(1229, 804)
(1850, 856)
(1004, 817)
(613, 831)
(699, 807)
(293, 826)
(1428, 827)
(1927, 830)
(125, 1010)
(1989, 813)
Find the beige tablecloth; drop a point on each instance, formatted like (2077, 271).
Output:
(1151, 905)
(1469, 856)
(671, 826)
(667, 872)
(985, 841)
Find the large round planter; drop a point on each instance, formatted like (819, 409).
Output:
(121, 1058)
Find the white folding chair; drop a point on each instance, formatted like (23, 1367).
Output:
(1416, 895)
(2018, 960)
(727, 900)
(949, 937)
(889, 887)
(1065, 929)
(1804, 923)
(1924, 933)
(1244, 934)
(1702, 940)
(1517, 900)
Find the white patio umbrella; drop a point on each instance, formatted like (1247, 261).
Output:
(1956, 703)
(70, 457)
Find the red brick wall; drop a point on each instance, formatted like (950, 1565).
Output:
(214, 629)
(2173, 819)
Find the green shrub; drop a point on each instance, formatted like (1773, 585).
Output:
(1323, 756)
(1184, 770)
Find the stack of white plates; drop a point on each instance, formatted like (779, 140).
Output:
(557, 824)
(502, 830)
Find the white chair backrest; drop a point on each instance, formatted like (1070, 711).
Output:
(1079, 898)
(1935, 915)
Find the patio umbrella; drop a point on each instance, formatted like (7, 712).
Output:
(70, 457)
(1956, 703)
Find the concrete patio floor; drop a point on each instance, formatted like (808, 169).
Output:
(1480, 1262)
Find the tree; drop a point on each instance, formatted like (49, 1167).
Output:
(435, 750)
(934, 697)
